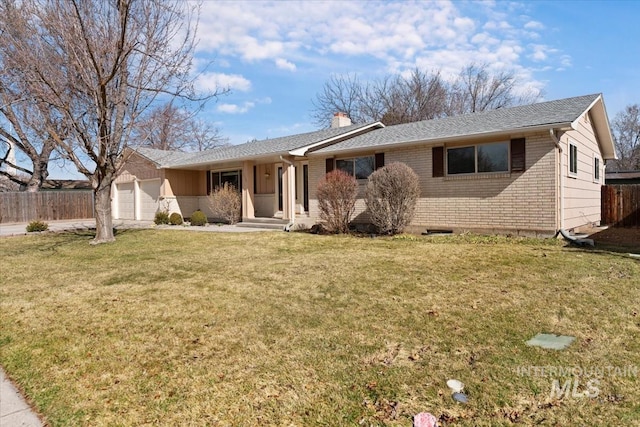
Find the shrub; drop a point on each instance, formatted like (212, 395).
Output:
(198, 218)
(391, 196)
(175, 218)
(226, 203)
(162, 217)
(35, 226)
(337, 194)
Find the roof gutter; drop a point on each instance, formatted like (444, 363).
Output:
(556, 141)
(434, 141)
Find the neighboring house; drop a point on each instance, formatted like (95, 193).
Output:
(524, 170)
(623, 177)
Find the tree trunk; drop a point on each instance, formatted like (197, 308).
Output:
(39, 175)
(102, 208)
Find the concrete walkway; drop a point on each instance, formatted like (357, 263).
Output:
(18, 229)
(14, 411)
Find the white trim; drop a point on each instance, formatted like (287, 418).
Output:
(436, 142)
(302, 151)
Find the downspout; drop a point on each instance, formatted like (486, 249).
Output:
(552, 133)
(291, 221)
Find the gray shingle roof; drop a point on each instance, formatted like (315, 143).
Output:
(162, 157)
(550, 114)
(266, 147)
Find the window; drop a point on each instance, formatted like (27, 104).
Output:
(360, 167)
(573, 160)
(478, 159)
(234, 178)
(596, 169)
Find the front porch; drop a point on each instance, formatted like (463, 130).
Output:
(278, 191)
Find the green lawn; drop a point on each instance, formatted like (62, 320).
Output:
(183, 328)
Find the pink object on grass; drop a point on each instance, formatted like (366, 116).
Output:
(424, 419)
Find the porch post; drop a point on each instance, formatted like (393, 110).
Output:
(248, 210)
(289, 191)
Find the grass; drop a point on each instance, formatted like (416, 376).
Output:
(167, 328)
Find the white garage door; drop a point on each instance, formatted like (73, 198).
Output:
(126, 206)
(149, 194)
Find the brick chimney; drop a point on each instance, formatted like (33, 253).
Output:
(340, 120)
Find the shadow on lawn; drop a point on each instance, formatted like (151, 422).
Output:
(618, 239)
(69, 237)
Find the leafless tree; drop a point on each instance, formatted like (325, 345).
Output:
(97, 66)
(476, 89)
(23, 126)
(421, 95)
(626, 134)
(341, 93)
(168, 127)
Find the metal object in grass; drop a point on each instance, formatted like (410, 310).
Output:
(460, 397)
(551, 341)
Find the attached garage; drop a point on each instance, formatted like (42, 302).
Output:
(126, 200)
(137, 200)
(148, 196)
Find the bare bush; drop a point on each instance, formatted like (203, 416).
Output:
(337, 194)
(391, 196)
(226, 203)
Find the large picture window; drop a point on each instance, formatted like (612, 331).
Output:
(359, 167)
(483, 158)
(234, 178)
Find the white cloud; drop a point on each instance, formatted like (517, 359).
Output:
(235, 108)
(285, 65)
(534, 25)
(393, 36)
(241, 108)
(211, 81)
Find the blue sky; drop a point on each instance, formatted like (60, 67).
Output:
(276, 55)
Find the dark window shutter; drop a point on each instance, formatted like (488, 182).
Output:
(255, 181)
(329, 164)
(517, 155)
(379, 160)
(437, 154)
(208, 183)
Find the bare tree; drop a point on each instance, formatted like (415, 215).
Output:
(421, 95)
(23, 128)
(97, 66)
(168, 127)
(341, 93)
(626, 134)
(476, 89)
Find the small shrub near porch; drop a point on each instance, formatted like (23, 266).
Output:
(391, 196)
(226, 203)
(198, 218)
(337, 194)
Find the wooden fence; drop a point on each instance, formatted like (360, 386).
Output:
(621, 205)
(46, 206)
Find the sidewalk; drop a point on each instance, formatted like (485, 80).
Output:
(19, 229)
(14, 411)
